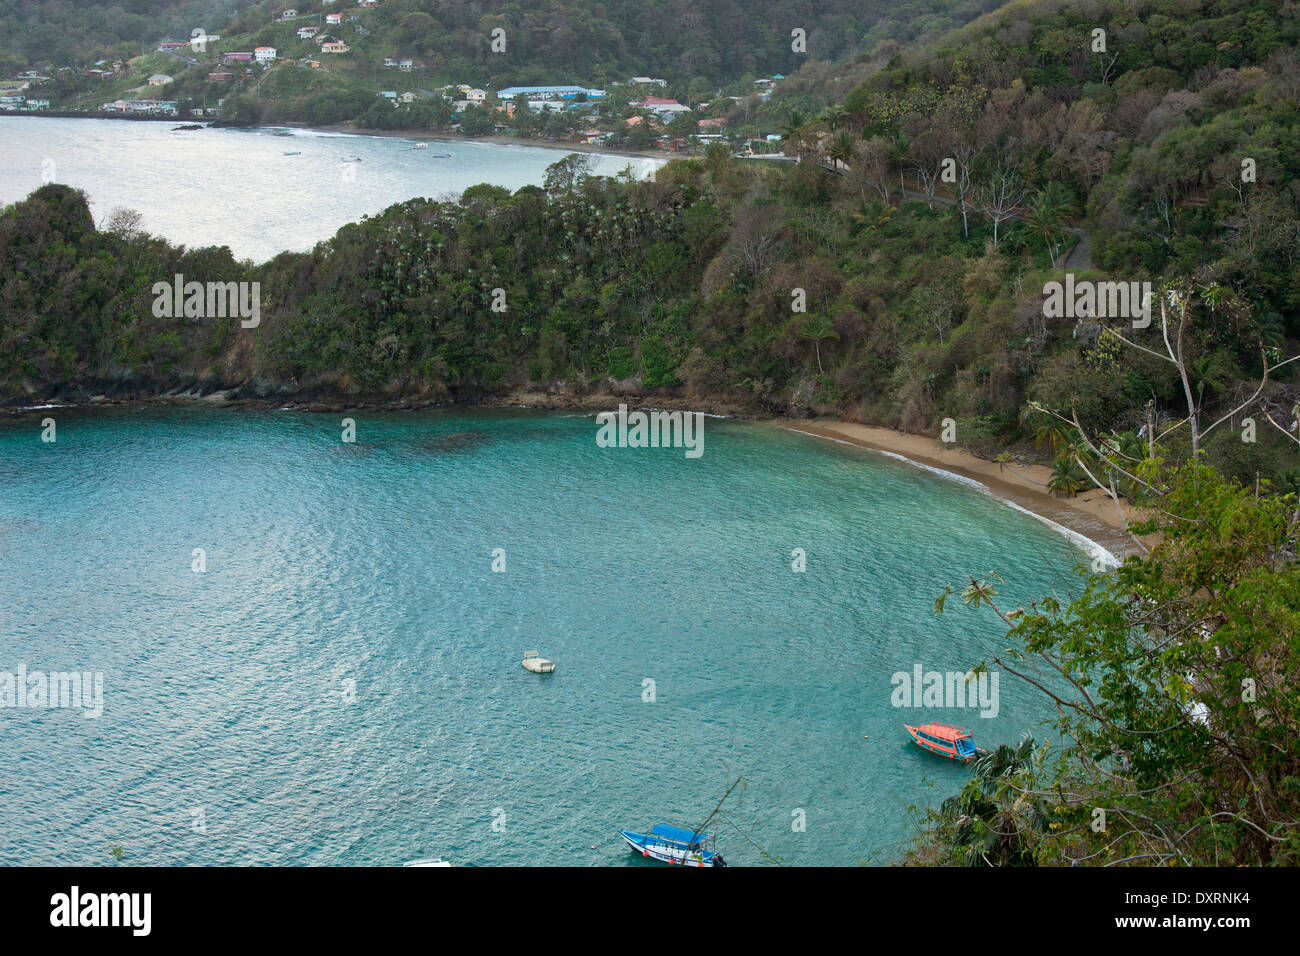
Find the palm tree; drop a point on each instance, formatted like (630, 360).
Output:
(1066, 478)
(1046, 213)
(1120, 450)
(793, 129)
(818, 328)
(898, 155)
(834, 117)
(871, 216)
(1000, 815)
(1207, 371)
(842, 147)
(1053, 434)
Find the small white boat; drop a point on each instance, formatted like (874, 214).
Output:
(420, 146)
(538, 665)
(429, 862)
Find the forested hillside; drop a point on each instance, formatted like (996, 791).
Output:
(39, 33)
(716, 40)
(918, 299)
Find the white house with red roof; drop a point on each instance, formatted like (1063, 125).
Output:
(661, 106)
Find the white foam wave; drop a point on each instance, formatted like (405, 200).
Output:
(1082, 541)
(1095, 550)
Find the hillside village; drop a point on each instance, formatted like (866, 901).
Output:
(311, 60)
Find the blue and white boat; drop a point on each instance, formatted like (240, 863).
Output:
(674, 845)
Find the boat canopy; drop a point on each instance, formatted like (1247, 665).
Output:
(677, 834)
(944, 731)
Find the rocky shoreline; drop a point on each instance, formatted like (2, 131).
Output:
(256, 396)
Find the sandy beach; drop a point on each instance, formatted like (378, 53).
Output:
(1091, 514)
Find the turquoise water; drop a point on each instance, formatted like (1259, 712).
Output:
(227, 692)
(236, 188)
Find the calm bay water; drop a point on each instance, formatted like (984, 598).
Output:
(342, 685)
(214, 187)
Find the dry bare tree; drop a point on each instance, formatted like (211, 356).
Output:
(1176, 313)
(873, 160)
(1000, 198)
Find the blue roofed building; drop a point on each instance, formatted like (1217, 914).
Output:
(549, 92)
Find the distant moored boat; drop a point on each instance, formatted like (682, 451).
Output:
(538, 665)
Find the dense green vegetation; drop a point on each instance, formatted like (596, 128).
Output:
(77, 306)
(696, 44)
(1178, 709)
(43, 33)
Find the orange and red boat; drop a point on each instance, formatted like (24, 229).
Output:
(946, 740)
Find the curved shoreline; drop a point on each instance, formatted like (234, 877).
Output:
(442, 136)
(493, 139)
(1090, 519)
